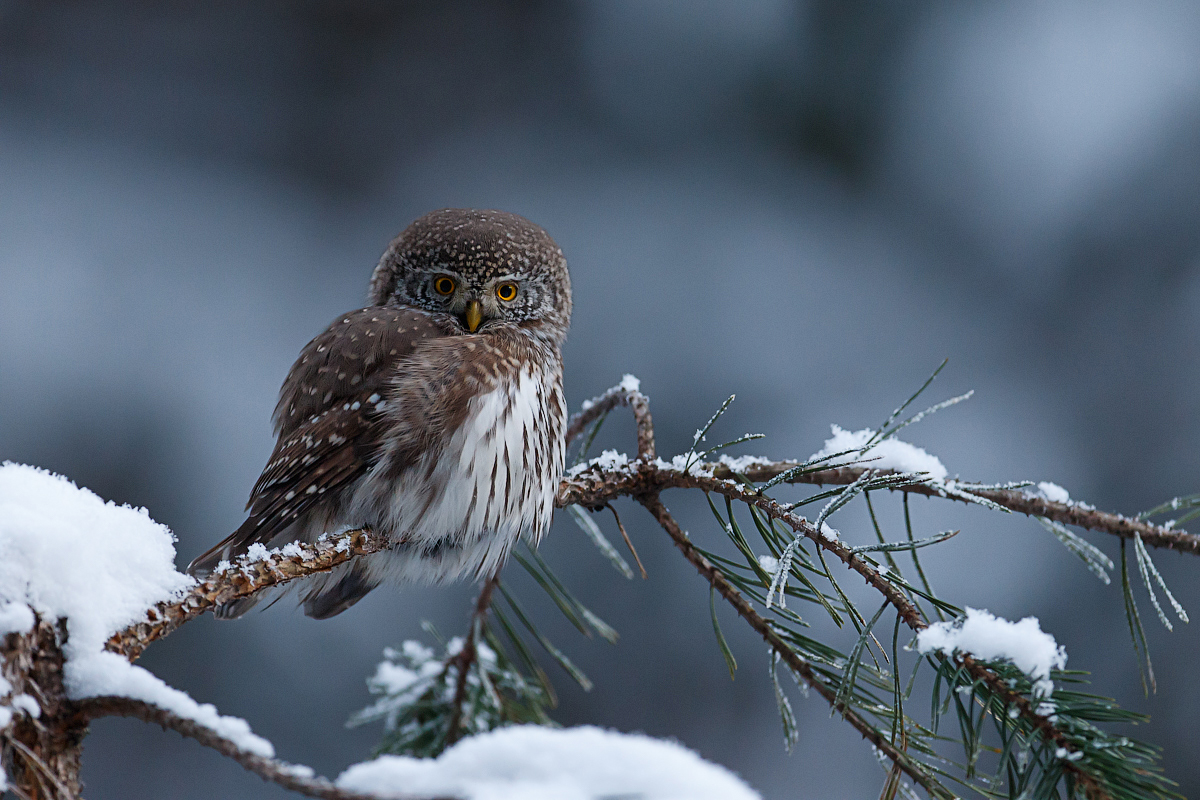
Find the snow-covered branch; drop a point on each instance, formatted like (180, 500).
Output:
(256, 572)
(1023, 502)
(294, 777)
(595, 487)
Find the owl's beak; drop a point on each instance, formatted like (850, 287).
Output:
(474, 315)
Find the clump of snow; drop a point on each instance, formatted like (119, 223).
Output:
(105, 673)
(610, 460)
(743, 463)
(257, 552)
(299, 770)
(292, 550)
(769, 564)
(1053, 492)
(530, 762)
(25, 703)
(985, 636)
(888, 454)
(607, 461)
(394, 679)
(15, 618)
(630, 384)
(67, 554)
(678, 463)
(1067, 755)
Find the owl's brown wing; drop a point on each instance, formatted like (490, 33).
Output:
(328, 419)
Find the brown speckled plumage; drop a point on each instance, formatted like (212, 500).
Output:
(400, 419)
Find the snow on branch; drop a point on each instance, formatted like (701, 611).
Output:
(295, 777)
(251, 574)
(982, 634)
(626, 393)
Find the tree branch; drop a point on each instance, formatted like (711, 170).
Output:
(466, 656)
(1013, 499)
(244, 578)
(645, 480)
(290, 776)
(592, 488)
(763, 627)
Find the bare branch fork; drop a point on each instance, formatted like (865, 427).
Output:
(43, 754)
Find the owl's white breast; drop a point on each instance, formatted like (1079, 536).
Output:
(463, 508)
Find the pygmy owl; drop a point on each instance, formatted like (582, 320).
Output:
(433, 417)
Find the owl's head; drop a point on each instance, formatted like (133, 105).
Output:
(482, 269)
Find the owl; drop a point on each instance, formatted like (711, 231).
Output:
(434, 417)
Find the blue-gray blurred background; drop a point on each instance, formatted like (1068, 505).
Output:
(808, 203)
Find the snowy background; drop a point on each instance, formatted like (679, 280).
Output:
(808, 203)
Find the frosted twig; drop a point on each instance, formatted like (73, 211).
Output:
(1082, 516)
(622, 395)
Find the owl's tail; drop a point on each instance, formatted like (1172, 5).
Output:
(229, 548)
(344, 587)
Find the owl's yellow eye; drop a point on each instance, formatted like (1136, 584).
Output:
(444, 286)
(506, 291)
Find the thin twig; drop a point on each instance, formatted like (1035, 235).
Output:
(597, 407)
(466, 656)
(32, 759)
(628, 541)
(289, 776)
